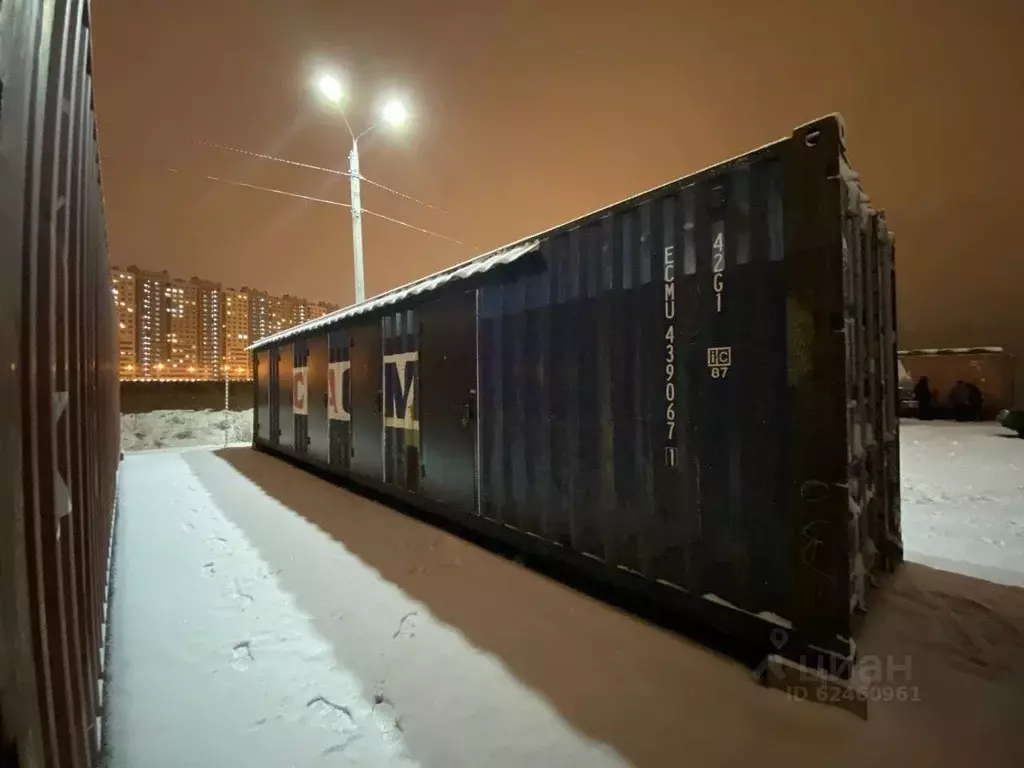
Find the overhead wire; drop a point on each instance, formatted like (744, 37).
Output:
(312, 167)
(310, 198)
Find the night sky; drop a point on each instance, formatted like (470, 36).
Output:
(528, 114)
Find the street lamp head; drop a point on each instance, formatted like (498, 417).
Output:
(395, 113)
(331, 88)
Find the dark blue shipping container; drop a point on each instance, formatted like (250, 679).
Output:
(690, 395)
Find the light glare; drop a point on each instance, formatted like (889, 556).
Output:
(395, 113)
(330, 88)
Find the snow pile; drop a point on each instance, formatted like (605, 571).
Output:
(183, 429)
(963, 498)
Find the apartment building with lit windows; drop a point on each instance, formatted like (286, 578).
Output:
(260, 323)
(151, 308)
(210, 301)
(319, 309)
(236, 333)
(122, 287)
(195, 329)
(182, 330)
(282, 312)
(301, 311)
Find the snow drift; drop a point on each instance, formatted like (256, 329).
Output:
(184, 429)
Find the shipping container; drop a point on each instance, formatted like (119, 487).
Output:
(690, 396)
(990, 369)
(58, 376)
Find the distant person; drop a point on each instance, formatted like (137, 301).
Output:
(959, 398)
(923, 395)
(975, 402)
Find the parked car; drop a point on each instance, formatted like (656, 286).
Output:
(1013, 420)
(990, 369)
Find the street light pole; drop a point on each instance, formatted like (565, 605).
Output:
(395, 114)
(357, 222)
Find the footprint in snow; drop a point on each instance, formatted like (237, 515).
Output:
(242, 657)
(387, 718)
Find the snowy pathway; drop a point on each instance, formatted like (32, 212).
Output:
(264, 617)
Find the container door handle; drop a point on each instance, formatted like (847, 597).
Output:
(468, 412)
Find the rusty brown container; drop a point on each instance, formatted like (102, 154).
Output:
(59, 410)
(988, 368)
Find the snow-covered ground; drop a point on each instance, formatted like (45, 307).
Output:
(264, 617)
(963, 498)
(179, 429)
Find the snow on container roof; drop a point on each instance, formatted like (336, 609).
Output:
(953, 351)
(475, 266)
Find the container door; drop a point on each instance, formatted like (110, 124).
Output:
(339, 400)
(285, 414)
(448, 390)
(367, 401)
(402, 465)
(300, 397)
(273, 396)
(316, 374)
(263, 395)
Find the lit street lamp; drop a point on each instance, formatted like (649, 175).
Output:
(394, 114)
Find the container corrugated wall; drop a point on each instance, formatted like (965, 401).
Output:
(653, 457)
(690, 395)
(59, 382)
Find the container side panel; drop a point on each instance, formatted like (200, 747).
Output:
(534, 434)
(401, 400)
(892, 550)
(629, 516)
(300, 395)
(817, 381)
(285, 393)
(263, 425)
(759, 303)
(448, 401)
(615, 420)
(367, 400)
(275, 411)
(588, 525)
(874, 541)
(316, 373)
(339, 399)
(489, 363)
(666, 336)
